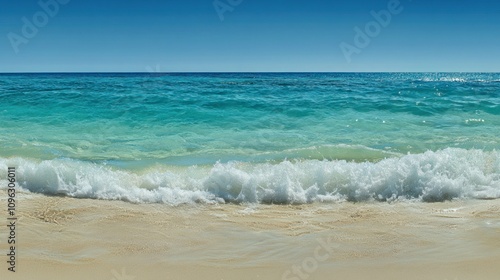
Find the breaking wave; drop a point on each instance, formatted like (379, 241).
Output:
(428, 177)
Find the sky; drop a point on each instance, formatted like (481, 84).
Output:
(249, 36)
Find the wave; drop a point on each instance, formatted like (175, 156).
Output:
(428, 177)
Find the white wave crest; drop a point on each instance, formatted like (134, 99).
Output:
(429, 177)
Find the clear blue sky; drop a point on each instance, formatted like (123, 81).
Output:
(257, 35)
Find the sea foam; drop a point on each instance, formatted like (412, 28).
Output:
(428, 177)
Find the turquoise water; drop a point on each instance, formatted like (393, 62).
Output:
(270, 138)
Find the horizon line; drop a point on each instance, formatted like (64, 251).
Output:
(247, 72)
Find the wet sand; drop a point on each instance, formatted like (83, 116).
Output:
(66, 238)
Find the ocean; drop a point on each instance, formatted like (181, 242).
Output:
(265, 138)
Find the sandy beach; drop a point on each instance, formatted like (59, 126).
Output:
(249, 140)
(67, 238)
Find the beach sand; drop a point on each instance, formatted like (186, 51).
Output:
(67, 238)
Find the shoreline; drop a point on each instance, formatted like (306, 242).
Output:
(62, 238)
